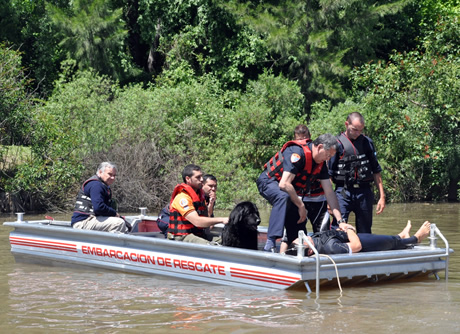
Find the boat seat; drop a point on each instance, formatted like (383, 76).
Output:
(149, 234)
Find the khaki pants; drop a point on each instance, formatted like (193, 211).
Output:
(102, 223)
(197, 240)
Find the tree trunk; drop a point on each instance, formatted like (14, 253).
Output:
(452, 192)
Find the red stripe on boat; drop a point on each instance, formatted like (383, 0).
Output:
(263, 276)
(43, 244)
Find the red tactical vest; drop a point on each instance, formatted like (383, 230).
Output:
(304, 179)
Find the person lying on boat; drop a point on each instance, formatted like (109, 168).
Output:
(188, 211)
(345, 240)
(210, 195)
(94, 206)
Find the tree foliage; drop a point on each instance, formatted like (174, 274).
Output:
(203, 34)
(15, 116)
(223, 85)
(89, 117)
(15, 100)
(318, 42)
(26, 26)
(93, 34)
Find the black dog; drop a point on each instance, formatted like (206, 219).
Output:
(241, 230)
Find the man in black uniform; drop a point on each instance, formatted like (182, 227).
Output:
(353, 169)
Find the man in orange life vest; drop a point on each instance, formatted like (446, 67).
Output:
(287, 177)
(188, 212)
(210, 195)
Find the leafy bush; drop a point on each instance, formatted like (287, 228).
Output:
(153, 132)
(15, 101)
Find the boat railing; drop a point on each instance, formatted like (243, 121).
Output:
(48, 221)
(301, 252)
(434, 232)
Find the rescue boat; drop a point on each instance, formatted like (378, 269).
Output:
(146, 251)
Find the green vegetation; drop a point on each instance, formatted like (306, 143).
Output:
(153, 85)
(411, 107)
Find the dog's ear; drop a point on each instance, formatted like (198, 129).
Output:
(236, 215)
(239, 217)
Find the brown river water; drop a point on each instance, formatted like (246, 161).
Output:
(43, 299)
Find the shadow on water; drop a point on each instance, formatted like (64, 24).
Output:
(39, 299)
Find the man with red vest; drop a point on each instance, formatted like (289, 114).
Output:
(315, 201)
(287, 177)
(188, 212)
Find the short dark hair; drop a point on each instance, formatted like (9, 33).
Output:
(301, 131)
(207, 177)
(188, 171)
(329, 141)
(354, 115)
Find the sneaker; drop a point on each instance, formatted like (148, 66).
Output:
(269, 245)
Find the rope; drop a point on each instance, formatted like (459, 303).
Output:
(336, 271)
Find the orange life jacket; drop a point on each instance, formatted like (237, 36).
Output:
(178, 225)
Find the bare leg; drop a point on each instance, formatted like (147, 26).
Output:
(284, 246)
(423, 231)
(405, 233)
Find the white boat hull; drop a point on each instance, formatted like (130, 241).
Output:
(149, 253)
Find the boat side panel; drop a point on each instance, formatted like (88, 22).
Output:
(225, 265)
(156, 261)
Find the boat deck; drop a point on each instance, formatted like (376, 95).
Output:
(146, 251)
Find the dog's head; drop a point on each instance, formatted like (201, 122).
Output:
(245, 213)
